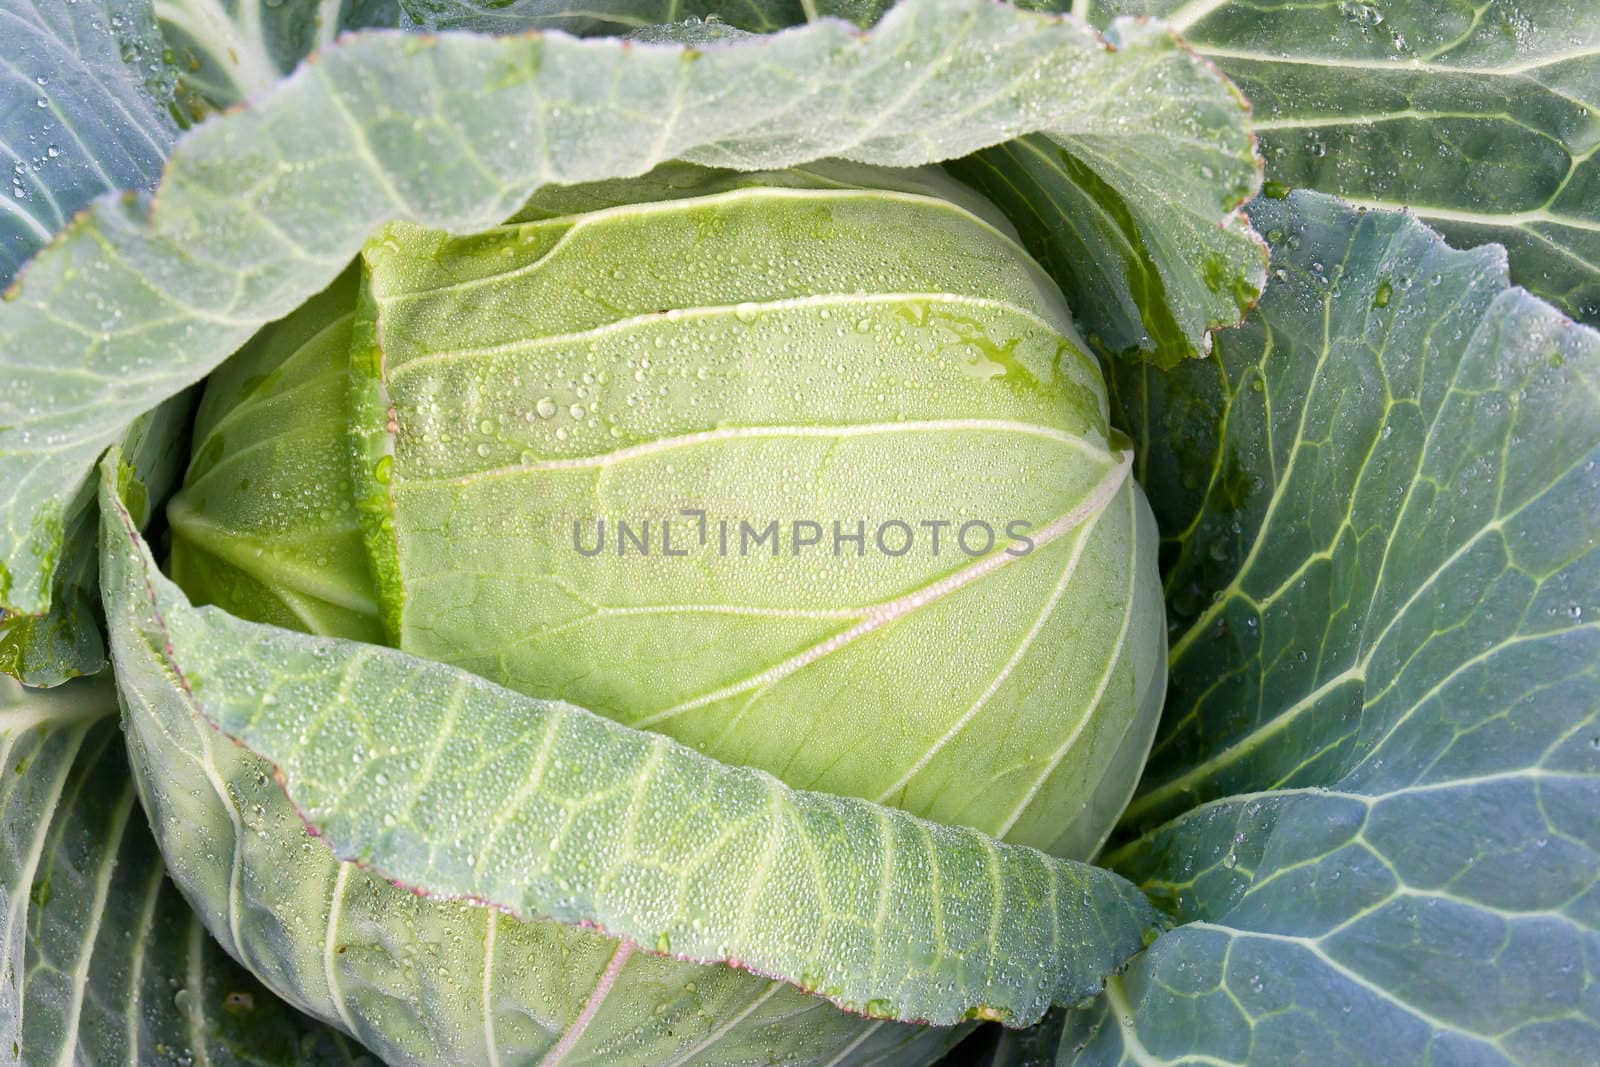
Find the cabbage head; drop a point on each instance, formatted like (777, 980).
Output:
(808, 470)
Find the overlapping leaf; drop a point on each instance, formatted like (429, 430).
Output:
(1376, 794)
(459, 788)
(100, 960)
(1115, 255)
(1112, 253)
(262, 208)
(1484, 119)
(427, 980)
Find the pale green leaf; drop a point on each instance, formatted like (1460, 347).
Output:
(441, 982)
(1098, 217)
(596, 17)
(1114, 254)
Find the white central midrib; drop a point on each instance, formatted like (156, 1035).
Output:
(136, 958)
(330, 971)
(491, 1042)
(884, 614)
(736, 433)
(194, 1007)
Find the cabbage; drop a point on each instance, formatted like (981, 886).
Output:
(810, 471)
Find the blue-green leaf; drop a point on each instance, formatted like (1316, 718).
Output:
(84, 108)
(1481, 118)
(1375, 797)
(101, 961)
(230, 51)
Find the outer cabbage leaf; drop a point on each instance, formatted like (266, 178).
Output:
(1480, 118)
(65, 642)
(101, 961)
(87, 100)
(260, 209)
(458, 788)
(1374, 797)
(633, 16)
(89, 109)
(1100, 238)
(232, 50)
(597, 17)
